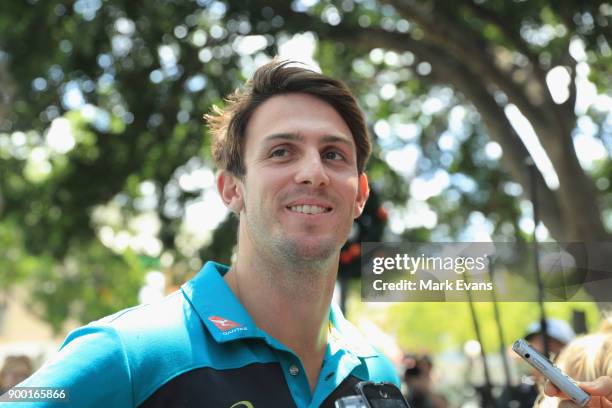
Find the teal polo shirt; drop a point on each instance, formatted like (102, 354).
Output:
(199, 347)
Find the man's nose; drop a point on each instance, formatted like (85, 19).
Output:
(312, 170)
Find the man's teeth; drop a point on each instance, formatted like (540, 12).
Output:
(308, 209)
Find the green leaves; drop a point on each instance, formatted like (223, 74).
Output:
(433, 77)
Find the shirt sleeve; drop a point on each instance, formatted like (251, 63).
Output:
(91, 367)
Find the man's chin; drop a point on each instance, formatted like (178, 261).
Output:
(310, 249)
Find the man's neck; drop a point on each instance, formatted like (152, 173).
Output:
(290, 305)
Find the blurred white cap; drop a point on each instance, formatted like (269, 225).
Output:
(556, 328)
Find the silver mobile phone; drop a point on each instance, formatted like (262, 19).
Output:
(551, 371)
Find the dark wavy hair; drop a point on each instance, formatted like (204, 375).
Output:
(228, 124)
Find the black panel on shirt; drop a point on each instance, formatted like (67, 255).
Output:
(263, 385)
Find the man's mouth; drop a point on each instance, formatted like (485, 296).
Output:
(309, 209)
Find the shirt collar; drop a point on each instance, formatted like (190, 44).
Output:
(217, 306)
(226, 319)
(344, 335)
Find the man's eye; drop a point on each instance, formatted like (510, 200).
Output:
(281, 152)
(333, 155)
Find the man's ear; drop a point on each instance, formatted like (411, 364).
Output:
(231, 191)
(363, 192)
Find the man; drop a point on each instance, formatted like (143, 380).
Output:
(291, 150)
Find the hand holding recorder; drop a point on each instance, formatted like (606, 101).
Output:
(600, 391)
(561, 380)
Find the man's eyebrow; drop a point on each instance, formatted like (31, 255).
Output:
(337, 139)
(284, 136)
(299, 138)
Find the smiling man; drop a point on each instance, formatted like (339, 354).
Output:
(291, 149)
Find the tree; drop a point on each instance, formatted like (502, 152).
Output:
(132, 79)
(133, 116)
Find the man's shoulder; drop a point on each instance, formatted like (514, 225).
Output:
(126, 356)
(156, 325)
(166, 319)
(157, 341)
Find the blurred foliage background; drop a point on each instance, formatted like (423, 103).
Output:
(105, 171)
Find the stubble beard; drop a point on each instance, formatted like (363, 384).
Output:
(299, 267)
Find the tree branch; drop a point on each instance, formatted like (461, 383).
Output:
(469, 48)
(501, 131)
(553, 123)
(566, 113)
(7, 91)
(511, 34)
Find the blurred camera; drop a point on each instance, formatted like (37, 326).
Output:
(374, 395)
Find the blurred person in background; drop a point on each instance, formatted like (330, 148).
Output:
(525, 394)
(14, 370)
(588, 360)
(417, 377)
(559, 333)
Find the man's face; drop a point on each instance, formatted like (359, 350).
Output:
(301, 190)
